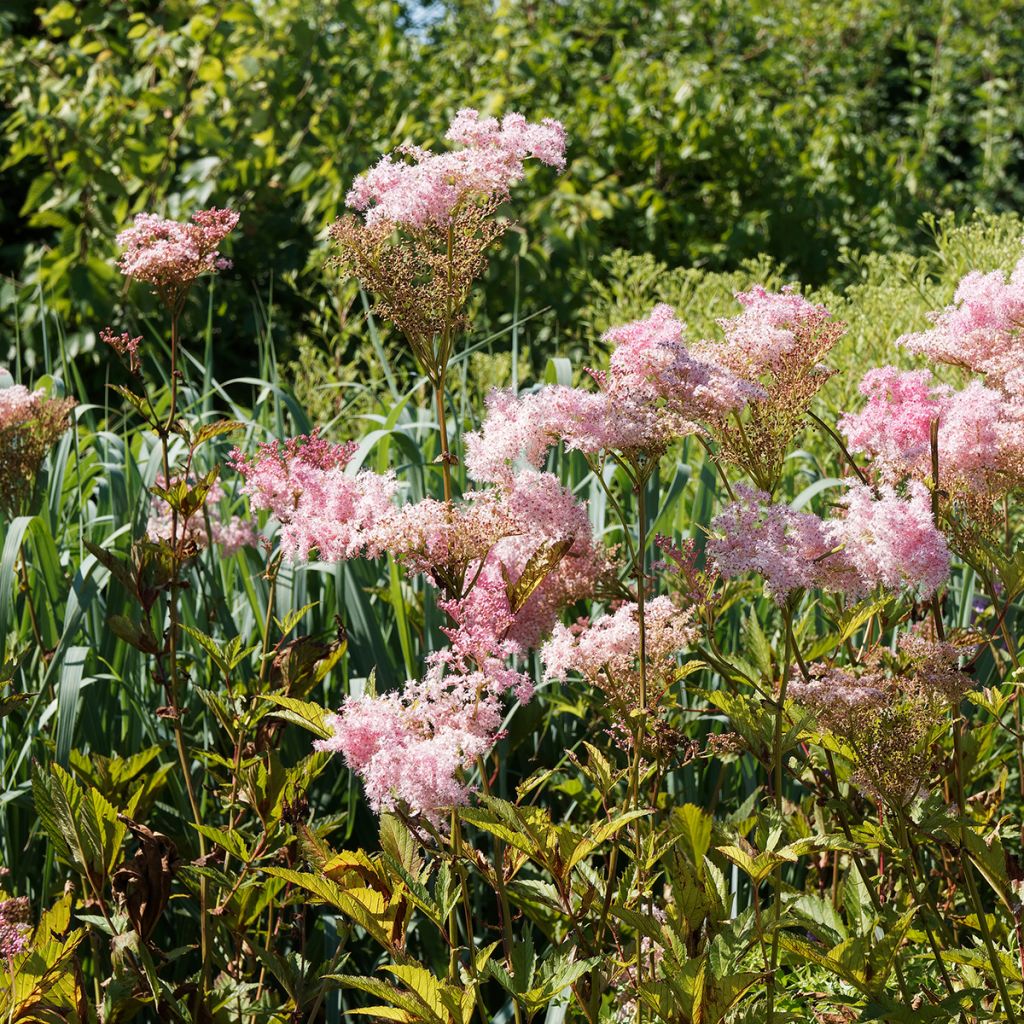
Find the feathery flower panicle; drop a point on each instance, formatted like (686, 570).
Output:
(442, 539)
(885, 541)
(548, 560)
(15, 928)
(606, 652)
(30, 424)
(650, 354)
(777, 343)
(202, 529)
(891, 541)
(171, 255)
(410, 748)
(980, 432)
(653, 391)
(790, 549)
(982, 330)
(428, 224)
(304, 485)
(885, 709)
(934, 665)
(426, 192)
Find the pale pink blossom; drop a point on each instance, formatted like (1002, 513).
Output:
(981, 330)
(891, 541)
(654, 390)
(790, 549)
(411, 749)
(17, 404)
(551, 539)
(606, 652)
(777, 333)
(426, 191)
(170, 255)
(304, 484)
(877, 540)
(14, 927)
(980, 430)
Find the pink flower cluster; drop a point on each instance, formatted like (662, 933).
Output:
(506, 560)
(205, 527)
(982, 330)
(771, 333)
(14, 927)
(410, 748)
(17, 404)
(548, 522)
(606, 652)
(520, 556)
(426, 192)
(653, 391)
(980, 430)
(304, 484)
(170, 255)
(881, 540)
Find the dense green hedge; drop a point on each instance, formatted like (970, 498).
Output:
(702, 131)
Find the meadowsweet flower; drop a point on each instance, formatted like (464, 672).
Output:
(980, 431)
(891, 541)
(934, 665)
(654, 390)
(14, 926)
(30, 424)
(170, 255)
(321, 508)
(441, 538)
(549, 559)
(885, 541)
(606, 652)
(411, 748)
(790, 549)
(885, 709)
(206, 526)
(777, 343)
(981, 330)
(426, 192)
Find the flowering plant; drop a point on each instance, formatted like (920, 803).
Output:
(626, 706)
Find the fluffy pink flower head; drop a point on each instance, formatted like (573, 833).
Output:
(170, 255)
(442, 538)
(651, 363)
(411, 748)
(548, 560)
(886, 541)
(425, 193)
(894, 427)
(17, 404)
(606, 651)
(775, 330)
(790, 549)
(304, 484)
(980, 431)
(891, 541)
(982, 330)
(653, 391)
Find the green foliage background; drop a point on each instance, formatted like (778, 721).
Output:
(703, 132)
